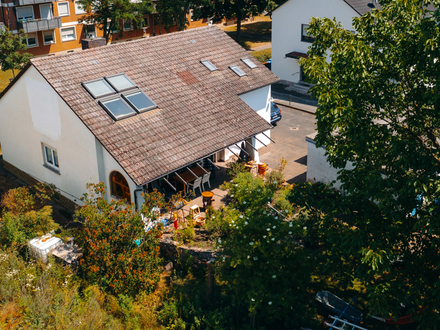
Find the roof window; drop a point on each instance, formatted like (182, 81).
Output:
(119, 96)
(139, 101)
(98, 88)
(209, 65)
(237, 70)
(249, 63)
(117, 108)
(120, 82)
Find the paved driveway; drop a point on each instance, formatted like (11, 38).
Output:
(290, 142)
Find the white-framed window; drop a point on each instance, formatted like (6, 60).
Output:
(305, 35)
(79, 10)
(127, 25)
(31, 40)
(63, 9)
(90, 31)
(50, 157)
(68, 33)
(25, 13)
(46, 11)
(48, 37)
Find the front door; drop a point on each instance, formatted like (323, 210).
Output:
(46, 11)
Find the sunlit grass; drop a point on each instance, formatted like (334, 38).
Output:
(260, 27)
(262, 55)
(5, 77)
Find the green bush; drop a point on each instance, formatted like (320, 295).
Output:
(185, 235)
(262, 55)
(25, 215)
(235, 168)
(119, 255)
(274, 179)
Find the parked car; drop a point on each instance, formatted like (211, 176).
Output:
(275, 113)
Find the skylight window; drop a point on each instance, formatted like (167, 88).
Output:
(120, 82)
(140, 101)
(98, 88)
(237, 70)
(249, 63)
(117, 108)
(209, 65)
(119, 96)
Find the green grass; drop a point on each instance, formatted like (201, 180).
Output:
(262, 55)
(261, 27)
(5, 77)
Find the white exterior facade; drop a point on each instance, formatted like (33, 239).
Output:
(32, 114)
(318, 168)
(259, 101)
(287, 21)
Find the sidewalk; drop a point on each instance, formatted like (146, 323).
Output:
(298, 106)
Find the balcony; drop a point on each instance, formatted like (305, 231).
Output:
(31, 2)
(39, 25)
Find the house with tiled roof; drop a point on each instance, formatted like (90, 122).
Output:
(290, 20)
(132, 113)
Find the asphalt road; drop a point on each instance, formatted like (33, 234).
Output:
(290, 143)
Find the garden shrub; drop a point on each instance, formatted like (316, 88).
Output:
(119, 255)
(185, 235)
(25, 215)
(234, 168)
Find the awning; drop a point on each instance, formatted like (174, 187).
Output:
(296, 55)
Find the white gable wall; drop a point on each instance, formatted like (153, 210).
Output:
(318, 168)
(259, 101)
(32, 113)
(286, 30)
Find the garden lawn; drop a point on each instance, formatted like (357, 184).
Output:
(5, 77)
(262, 55)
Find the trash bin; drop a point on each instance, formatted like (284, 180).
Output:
(207, 198)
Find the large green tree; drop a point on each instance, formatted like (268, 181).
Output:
(106, 14)
(238, 9)
(174, 12)
(13, 54)
(379, 111)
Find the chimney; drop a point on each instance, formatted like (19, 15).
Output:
(92, 43)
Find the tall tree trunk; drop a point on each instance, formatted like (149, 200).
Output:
(153, 27)
(106, 31)
(238, 28)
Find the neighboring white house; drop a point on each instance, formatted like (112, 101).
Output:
(290, 41)
(131, 113)
(318, 168)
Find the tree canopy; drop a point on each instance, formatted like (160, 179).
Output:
(107, 14)
(238, 9)
(12, 51)
(379, 112)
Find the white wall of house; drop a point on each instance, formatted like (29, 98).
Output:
(286, 30)
(259, 101)
(318, 168)
(33, 114)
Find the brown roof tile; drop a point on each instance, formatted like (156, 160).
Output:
(192, 120)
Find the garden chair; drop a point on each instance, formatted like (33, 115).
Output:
(205, 179)
(196, 184)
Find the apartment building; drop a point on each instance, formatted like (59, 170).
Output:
(52, 26)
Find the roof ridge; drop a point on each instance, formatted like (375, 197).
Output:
(118, 44)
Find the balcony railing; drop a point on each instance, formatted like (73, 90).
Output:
(31, 2)
(39, 25)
